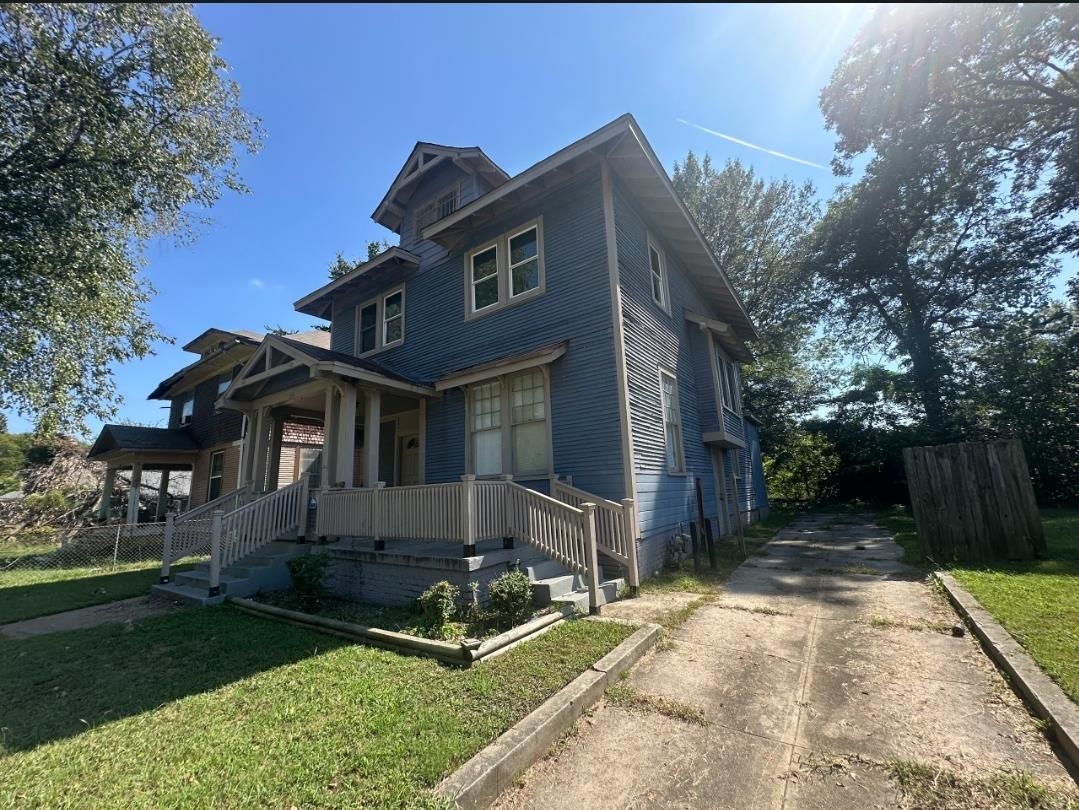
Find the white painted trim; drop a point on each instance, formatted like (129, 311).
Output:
(400, 254)
(503, 270)
(664, 274)
(423, 440)
(676, 407)
(506, 425)
(721, 327)
(508, 367)
(629, 471)
(379, 303)
(432, 201)
(372, 378)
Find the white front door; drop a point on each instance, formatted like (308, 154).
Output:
(408, 468)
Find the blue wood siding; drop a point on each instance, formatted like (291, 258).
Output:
(653, 339)
(574, 307)
(734, 423)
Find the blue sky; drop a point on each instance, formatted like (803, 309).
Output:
(344, 92)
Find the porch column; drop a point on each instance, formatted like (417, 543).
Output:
(259, 448)
(106, 493)
(163, 495)
(346, 435)
(329, 439)
(133, 493)
(372, 423)
(277, 433)
(244, 474)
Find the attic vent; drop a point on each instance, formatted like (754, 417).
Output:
(435, 210)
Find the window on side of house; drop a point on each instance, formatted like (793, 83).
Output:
(506, 270)
(486, 428)
(223, 383)
(508, 423)
(658, 273)
(380, 323)
(438, 208)
(217, 475)
(672, 422)
(310, 463)
(187, 409)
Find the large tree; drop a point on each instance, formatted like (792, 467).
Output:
(999, 78)
(759, 231)
(118, 124)
(924, 252)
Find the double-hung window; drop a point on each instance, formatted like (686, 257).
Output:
(217, 475)
(657, 267)
(672, 422)
(380, 323)
(508, 425)
(504, 271)
(187, 409)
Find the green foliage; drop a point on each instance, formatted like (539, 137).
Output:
(340, 265)
(119, 125)
(308, 573)
(439, 605)
(511, 598)
(47, 504)
(806, 471)
(759, 231)
(13, 449)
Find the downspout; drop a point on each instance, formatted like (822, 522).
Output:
(629, 473)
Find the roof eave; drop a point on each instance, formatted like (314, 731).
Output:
(320, 302)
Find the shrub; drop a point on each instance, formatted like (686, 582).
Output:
(511, 597)
(307, 574)
(439, 603)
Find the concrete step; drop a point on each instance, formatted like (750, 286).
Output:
(187, 594)
(201, 579)
(546, 590)
(544, 569)
(578, 599)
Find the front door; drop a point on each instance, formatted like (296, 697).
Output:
(408, 468)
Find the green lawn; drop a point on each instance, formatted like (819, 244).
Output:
(728, 557)
(1038, 602)
(29, 592)
(216, 708)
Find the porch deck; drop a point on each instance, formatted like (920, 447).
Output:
(432, 553)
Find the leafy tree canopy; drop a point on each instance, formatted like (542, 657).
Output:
(118, 125)
(340, 265)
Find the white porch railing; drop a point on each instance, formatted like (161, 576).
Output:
(616, 525)
(256, 524)
(469, 511)
(189, 532)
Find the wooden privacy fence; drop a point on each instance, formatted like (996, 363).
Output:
(973, 502)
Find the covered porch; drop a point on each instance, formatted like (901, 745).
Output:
(140, 450)
(372, 421)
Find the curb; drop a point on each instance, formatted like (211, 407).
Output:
(1041, 694)
(479, 781)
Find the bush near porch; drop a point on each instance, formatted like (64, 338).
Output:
(241, 712)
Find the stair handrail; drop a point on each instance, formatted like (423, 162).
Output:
(226, 503)
(256, 524)
(189, 532)
(616, 525)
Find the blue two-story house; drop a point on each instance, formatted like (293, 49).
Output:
(568, 327)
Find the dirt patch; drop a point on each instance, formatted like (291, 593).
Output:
(125, 611)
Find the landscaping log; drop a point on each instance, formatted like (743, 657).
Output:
(974, 502)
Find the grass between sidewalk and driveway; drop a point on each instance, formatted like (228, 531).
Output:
(216, 708)
(26, 593)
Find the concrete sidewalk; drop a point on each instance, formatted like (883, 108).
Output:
(822, 656)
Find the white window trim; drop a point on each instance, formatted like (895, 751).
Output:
(186, 420)
(680, 449)
(726, 369)
(506, 298)
(664, 271)
(210, 474)
(506, 425)
(380, 323)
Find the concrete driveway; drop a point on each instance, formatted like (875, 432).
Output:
(823, 660)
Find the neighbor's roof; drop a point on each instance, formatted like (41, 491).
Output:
(423, 158)
(115, 439)
(214, 336)
(393, 261)
(635, 165)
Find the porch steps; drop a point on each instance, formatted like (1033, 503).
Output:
(266, 570)
(553, 584)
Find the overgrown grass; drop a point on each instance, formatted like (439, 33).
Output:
(629, 698)
(216, 708)
(1038, 601)
(686, 579)
(930, 788)
(29, 592)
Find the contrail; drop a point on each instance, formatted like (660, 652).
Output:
(749, 145)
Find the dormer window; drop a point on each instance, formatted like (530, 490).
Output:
(438, 208)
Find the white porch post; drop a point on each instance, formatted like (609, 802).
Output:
(260, 450)
(346, 435)
(106, 493)
(133, 493)
(163, 495)
(329, 439)
(277, 433)
(372, 422)
(242, 477)
(250, 440)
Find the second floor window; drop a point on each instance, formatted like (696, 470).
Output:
(380, 323)
(658, 273)
(505, 271)
(187, 409)
(728, 383)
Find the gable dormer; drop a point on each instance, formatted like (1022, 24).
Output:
(433, 183)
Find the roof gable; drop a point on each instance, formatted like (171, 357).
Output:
(423, 158)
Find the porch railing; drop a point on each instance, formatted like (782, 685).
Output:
(188, 533)
(469, 511)
(616, 525)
